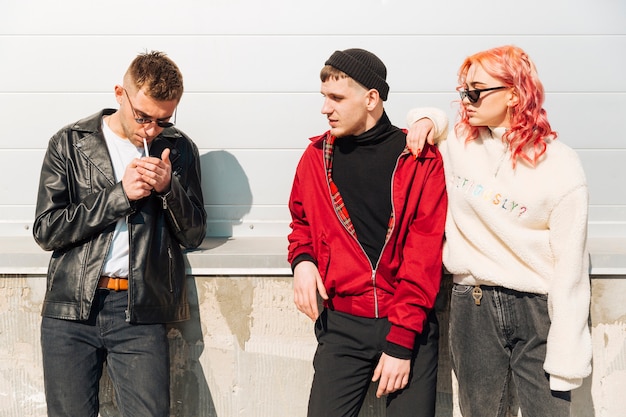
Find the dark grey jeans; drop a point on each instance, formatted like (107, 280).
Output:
(137, 359)
(502, 338)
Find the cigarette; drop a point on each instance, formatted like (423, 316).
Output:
(145, 147)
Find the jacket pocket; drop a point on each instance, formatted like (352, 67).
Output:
(460, 290)
(323, 259)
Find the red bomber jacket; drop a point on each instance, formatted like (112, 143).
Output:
(405, 282)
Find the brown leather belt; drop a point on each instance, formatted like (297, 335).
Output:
(113, 283)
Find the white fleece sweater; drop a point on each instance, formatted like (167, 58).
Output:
(523, 229)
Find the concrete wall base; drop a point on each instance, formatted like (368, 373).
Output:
(248, 351)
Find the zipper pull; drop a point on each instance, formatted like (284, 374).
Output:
(164, 197)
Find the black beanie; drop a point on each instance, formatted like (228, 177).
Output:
(362, 66)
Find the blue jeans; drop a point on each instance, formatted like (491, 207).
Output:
(348, 351)
(136, 356)
(502, 338)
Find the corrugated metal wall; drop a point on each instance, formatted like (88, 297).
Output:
(252, 88)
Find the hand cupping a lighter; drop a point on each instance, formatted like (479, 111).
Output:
(147, 174)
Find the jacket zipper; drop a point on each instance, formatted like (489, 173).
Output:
(169, 249)
(169, 267)
(130, 232)
(389, 233)
(373, 269)
(166, 207)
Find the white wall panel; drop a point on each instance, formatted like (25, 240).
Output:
(268, 64)
(287, 120)
(19, 171)
(248, 196)
(402, 17)
(252, 89)
(606, 176)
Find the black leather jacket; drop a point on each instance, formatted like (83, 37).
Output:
(78, 205)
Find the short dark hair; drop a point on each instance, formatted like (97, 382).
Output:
(157, 74)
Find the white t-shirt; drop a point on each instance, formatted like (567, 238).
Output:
(122, 152)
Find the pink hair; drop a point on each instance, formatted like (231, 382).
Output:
(529, 126)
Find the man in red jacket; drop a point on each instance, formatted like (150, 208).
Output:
(367, 232)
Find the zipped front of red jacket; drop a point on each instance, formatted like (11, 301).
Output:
(343, 215)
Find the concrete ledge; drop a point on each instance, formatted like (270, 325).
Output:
(258, 256)
(249, 256)
(608, 255)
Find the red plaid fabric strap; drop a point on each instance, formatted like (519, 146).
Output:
(338, 204)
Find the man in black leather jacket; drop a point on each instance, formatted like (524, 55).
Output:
(116, 220)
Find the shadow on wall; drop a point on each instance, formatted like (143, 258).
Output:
(189, 391)
(227, 194)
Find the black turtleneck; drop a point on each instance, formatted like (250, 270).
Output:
(362, 169)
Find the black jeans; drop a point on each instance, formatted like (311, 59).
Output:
(137, 358)
(348, 351)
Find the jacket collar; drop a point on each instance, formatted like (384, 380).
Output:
(89, 141)
(93, 123)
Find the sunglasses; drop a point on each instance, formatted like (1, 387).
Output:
(474, 95)
(146, 120)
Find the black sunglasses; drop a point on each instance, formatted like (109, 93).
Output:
(474, 95)
(145, 120)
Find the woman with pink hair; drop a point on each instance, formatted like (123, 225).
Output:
(516, 235)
